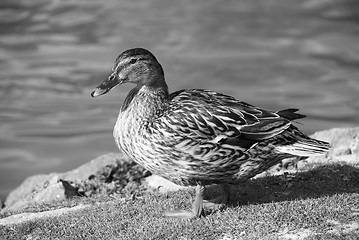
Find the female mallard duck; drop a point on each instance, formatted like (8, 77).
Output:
(198, 137)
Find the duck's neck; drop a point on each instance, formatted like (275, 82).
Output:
(146, 101)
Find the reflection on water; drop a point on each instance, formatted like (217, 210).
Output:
(271, 53)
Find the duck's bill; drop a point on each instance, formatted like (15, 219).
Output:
(99, 91)
(106, 86)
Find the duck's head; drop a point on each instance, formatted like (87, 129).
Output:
(138, 66)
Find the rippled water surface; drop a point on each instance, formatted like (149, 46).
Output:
(271, 53)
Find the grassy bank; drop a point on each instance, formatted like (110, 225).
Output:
(320, 203)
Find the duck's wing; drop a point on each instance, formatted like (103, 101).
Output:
(209, 114)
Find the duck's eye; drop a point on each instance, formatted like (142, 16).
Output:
(133, 60)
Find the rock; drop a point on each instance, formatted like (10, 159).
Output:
(161, 184)
(58, 186)
(30, 185)
(35, 189)
(84, 172)
(52, 190)
(344, 145)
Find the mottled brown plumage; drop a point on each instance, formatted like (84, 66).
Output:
(198, 137)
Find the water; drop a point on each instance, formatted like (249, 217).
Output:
(271, 53)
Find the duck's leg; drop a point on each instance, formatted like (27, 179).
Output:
(197, 207)
(220, 201)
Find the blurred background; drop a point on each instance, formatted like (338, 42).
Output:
(271, 53)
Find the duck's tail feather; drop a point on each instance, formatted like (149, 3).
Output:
(290, 114)
(305, 147)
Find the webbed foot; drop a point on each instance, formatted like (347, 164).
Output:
(197, 207)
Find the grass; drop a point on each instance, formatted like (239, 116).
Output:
(321, 203)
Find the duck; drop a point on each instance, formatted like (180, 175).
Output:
(198, 137)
